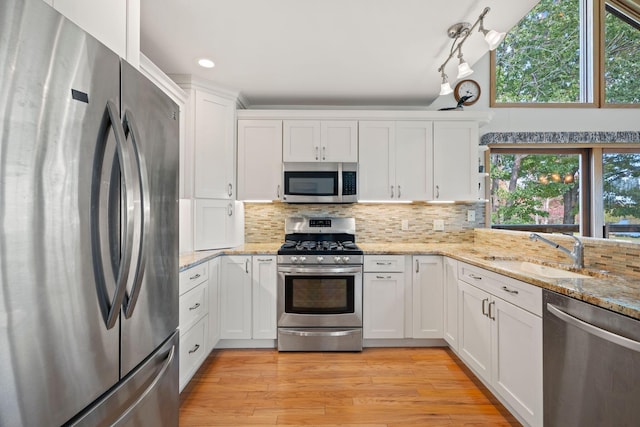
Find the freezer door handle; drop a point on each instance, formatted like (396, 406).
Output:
(100, 221)
(149, 389)
(144, 203)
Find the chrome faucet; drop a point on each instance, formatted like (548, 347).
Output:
(577, 254)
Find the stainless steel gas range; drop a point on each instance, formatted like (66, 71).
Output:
(320, 286)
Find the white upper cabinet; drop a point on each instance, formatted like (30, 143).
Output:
(320, 141)
(395, 160)
(455, 161)
(213, 138)
(259, 159)
(114, 23)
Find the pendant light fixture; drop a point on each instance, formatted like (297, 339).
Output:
(459, 33)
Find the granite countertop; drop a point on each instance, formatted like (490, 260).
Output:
(617, 293)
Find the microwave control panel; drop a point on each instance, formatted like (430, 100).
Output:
(348, 183)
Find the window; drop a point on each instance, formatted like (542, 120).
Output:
(621, 194)
(533, 189)
(568, 53)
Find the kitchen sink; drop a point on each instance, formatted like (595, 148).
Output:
(540, 270)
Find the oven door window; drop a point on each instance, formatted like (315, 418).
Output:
(311, 183)
(319, 294)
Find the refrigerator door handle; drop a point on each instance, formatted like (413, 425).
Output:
(111, 309)
(131, 131)
(149, 389)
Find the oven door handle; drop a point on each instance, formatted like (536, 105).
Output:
(322, 271)
(323, 333)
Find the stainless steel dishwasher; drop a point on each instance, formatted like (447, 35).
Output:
(591, 365)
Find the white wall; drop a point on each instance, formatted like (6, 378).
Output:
(542, 119)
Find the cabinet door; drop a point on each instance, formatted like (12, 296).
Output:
(301, 141)
(427, 296)
(235, 297)
(455, 161)
(383, 302)
(414, 162)
(339, 141)
(376, 165)
(192, 350)
(516, 344)
(213, 139)
(265, 276)
(474, 329)
(259, 159)
(213, 224)
(214, 303)
(451, 302)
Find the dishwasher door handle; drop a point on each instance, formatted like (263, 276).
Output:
(594, 330)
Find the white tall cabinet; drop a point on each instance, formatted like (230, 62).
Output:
(259, 159)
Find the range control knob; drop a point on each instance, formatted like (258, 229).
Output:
(337, 259)
(345, 259)
(294, 258)
(320, 258)
(303, 259)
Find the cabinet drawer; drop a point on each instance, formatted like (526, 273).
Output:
(383, 263)
(193, 305)
(193, 277)
(192, 350)
(521, 294)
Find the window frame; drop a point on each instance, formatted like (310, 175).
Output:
(592, 39)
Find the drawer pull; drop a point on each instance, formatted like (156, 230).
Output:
(474, 277)
(383, 277)
(194, 277)
(265, 259)
(384, 263)
(512, 292)
(194, 349)
(195, 306)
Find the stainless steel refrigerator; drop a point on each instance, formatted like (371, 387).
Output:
(88, 244)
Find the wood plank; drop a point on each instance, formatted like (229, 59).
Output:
(381, 387)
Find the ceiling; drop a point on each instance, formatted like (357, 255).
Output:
(319, 52)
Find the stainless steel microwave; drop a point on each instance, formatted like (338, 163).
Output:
(320, 183)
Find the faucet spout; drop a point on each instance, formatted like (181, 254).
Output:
(576, 254)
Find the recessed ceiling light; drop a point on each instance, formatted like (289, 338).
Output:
(206, 63)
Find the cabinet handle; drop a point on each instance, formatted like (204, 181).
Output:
(417, 266)
(194, 277)
(399, 193)
(512, 292)
(383, 277)
(246, 266)
(474, 277)
(484, 309)
(383, 263)
(324, 153)
(194, 349)
(392, 191)
(194, 306)
(265, 259)
(230, 190)
(316, 152)
(491, 315)
(437, 191)
(230, 210)
(278, 192)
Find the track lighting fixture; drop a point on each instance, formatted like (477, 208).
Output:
(459, 33)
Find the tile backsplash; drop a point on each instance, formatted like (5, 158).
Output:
(375, 222)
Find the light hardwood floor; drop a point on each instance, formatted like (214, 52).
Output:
(380, 387)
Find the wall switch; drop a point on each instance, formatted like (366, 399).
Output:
(438, 225)
(471, 215)
(405, 224)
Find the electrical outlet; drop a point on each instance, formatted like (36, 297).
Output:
(471, 215)
(438, 225)
(405, 225)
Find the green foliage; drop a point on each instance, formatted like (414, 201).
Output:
(621, 185)
(622, 61)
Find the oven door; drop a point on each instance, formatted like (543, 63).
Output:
(319, 296)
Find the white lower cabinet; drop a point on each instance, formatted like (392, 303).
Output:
(194, 321)
(214, 304)
(383, 296)
(427, 296)
(450, 292)
(502, 341)
(248, 297)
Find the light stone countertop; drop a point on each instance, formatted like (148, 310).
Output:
(617, 293)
